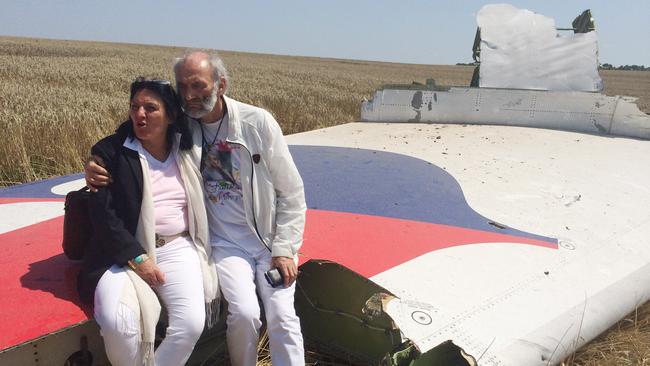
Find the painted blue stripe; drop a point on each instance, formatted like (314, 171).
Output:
(360, 181)
(39, 189)
(387, 184)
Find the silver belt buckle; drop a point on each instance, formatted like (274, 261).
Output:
(160, 241)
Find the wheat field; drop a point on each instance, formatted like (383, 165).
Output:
(57, 98)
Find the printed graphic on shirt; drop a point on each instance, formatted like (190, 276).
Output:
(221, 172)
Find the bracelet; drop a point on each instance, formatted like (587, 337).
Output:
(133, 263)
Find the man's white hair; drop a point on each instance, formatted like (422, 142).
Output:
(215, 62)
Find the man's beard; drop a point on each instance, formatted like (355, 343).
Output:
(207, 105)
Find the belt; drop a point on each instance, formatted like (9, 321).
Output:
(166, 239)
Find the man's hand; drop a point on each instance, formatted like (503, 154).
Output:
(287, 268)
(96, 175)
(150, 273)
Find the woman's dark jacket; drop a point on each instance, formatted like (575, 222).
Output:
(114, 212)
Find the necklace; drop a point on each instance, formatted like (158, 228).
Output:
(220, 122)
(205, 146)
(225, 112)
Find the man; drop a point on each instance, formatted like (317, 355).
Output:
(256, 208)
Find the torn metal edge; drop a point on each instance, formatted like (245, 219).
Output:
(343, 315)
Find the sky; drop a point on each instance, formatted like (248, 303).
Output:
(408, 31)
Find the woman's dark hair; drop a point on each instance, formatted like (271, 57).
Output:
(164, 90)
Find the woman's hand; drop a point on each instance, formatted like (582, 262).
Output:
(96, 174)
(150, 273)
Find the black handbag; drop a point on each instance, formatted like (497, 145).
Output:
(76, 224)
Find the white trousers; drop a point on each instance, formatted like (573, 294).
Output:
(240, 274)
(181, 294)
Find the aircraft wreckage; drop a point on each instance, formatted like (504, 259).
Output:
(473, 243)
(527, 75)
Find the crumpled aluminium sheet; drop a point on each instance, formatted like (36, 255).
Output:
(522, 50)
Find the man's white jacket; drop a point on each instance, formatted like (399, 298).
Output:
(273, 192)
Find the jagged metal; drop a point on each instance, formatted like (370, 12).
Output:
(343, 314)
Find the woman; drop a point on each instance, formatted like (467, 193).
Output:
(149, 235)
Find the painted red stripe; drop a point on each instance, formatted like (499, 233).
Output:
(370, 245)
(38, 293)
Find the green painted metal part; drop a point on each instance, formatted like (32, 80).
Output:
(342, 314)
(584, 22)
(445, 354)
(331, 302)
